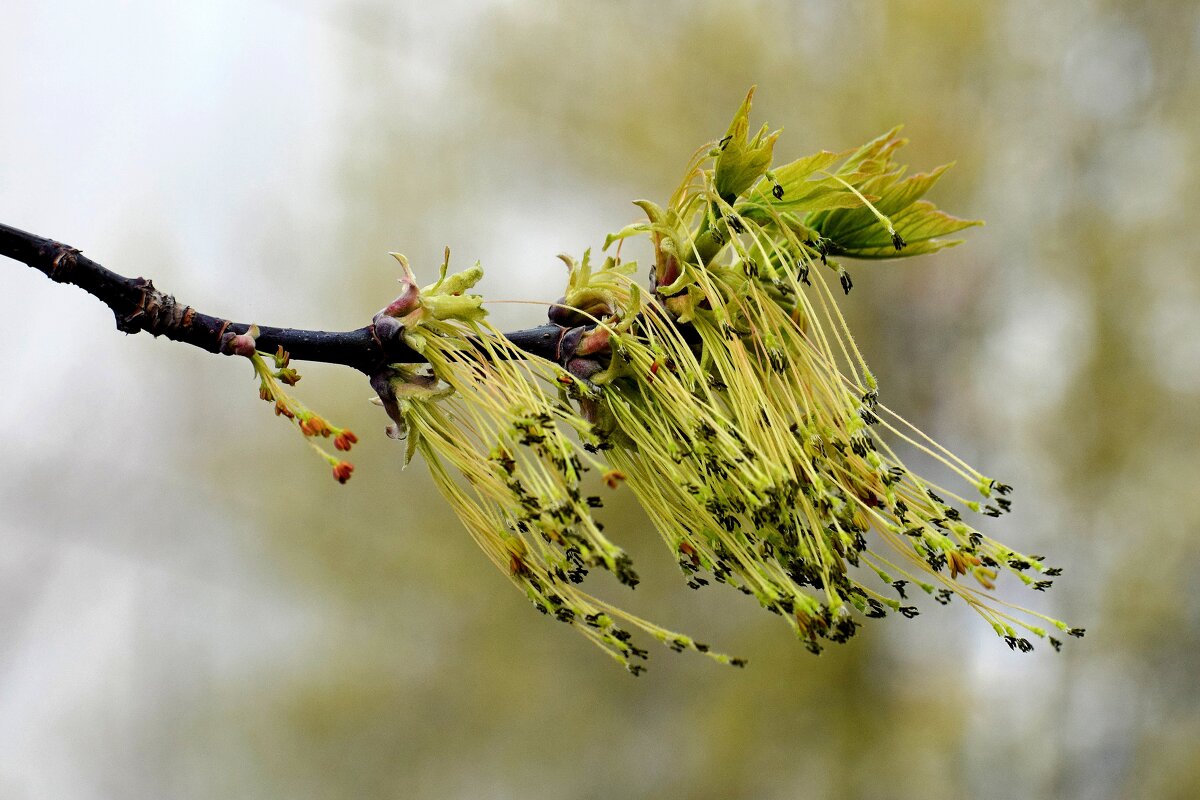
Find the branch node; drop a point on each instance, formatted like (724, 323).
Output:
(157, 313)
(62, 266)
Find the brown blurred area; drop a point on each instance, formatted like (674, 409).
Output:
(191, 607)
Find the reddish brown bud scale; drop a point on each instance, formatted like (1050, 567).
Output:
(241, 345)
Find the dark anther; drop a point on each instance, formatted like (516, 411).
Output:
(847, 284)
(777, 190)
(821, 245)
(898, 242)
(909, 611)
(1056, 644)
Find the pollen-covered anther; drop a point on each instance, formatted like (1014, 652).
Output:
(313, 425)
(613, 478)
(687, 550)
(986, 577)
(960, 563)
(288, 375)
(342, 471)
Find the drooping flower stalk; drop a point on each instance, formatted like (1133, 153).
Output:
(270, 389)
(504, 448)
(730, 396)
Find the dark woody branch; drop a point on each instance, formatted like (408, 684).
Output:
(139, 306)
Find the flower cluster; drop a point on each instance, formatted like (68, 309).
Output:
(270, 388)
(504, 448)
(731, 399)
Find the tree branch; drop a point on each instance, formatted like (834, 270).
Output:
(139, 306)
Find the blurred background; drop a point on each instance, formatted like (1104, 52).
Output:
(191, 607)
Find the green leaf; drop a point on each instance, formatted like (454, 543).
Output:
(793, 178)
(921, 223)
(849, 225)
(464, 308)
(741, 161)
(879, 149)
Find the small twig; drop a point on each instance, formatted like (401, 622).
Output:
(139, 306)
